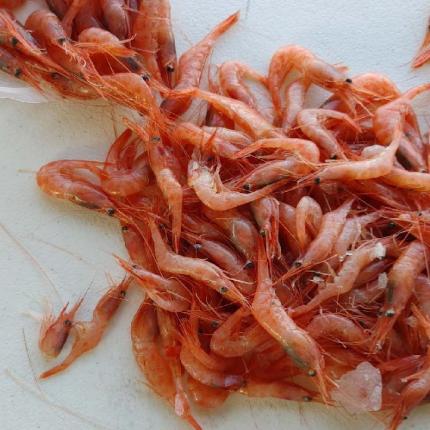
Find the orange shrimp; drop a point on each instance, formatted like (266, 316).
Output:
(239, 230)
(271, 315)
(277, 389)
(312, 68)
(65, 179)
(205, 396)
(169, 294)
(54, 331)
(311, 123)
(401, 281)
(214, 194)
(191, 66)
(294, 103)
(423, 54)
(266, 215)
(116, 17)
(308, 214)
(306, 149)
(200, 270)
(89, 333)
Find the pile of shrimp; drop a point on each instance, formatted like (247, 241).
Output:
(283, 249)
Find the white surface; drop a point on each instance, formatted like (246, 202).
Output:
(105, 385)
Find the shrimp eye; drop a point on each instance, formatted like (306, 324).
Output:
(312, 373)
(14, 41)
(197, 246)
(122, 293)
(307, 398)
(419, 213)
(214, 324)
(333, 157)
(247, 187)
(55, 75)
(390, 313)
(67, 323)
(317, 181)
(249, 264)
(223, 290)
(298, 263)
(111, 211)
(146, 77)
(62, 40)
(391, 224)
(124, 228)
(263, 233)
(348, 81)
(155, 139)
(135, 266)
(170, 68)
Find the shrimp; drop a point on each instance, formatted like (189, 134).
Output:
(169, 294)
(167, 60)
(311, 123)
(89, 333)
(65, 179)
(287, 221)
(202, 228)
(54, 331)
(205, 396)
(116, 17)
(336, 326)
(308, 214)
(294, 103)
(239, 229)
(228, 341)
(375, 167)
(401, 281)
(305, 149)
(191, 66)
(266, 215)
(232, 76)
(312, 68)
(423, 54)
(216, 195)
(271, 315)
(277, 389)
(200, 270)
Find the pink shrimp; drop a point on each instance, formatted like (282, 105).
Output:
(312, 68)
(197, 269)
(271, 315)
(294, 103)
(54, 331)
(311, 123)
(169, 294)
(89, 333)
(344, 281)
(401, 281)
(308, 214)
(191, 65)
(306, 149)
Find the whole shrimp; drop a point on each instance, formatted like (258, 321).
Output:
(312, 68)
(196, 268)
(191, 65)
(269, 312)
(89, 333)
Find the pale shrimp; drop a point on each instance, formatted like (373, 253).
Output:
(375, 167)
(312, 68)
(89, 333)
(294, 103)
(167, 60)
(213, 378)
(308, 217)
(198, 269)
(205, 396)
(169, 294)
(161, 160)
(269, 312)
(116, 17)
(422, 293)
(188, 133)
(214, 194)
(401, 281)
(54, 331)
(266, 215)
(11, 4)
(311, 123)
(423, 54)
(191, 65)
(65, 179)
(229, 341)
(331, 226)
(235, 137)
(239, 230)
(277, 389)
(246, 118)
(337, 327)
(344, 280)
(287, 220)
(305, 149)
(233, 76)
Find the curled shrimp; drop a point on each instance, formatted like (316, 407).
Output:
(54, 331)
(271, 315)
(191, 65)
(198, 269)
(308, 216)
(401, 281)
(89, 333)
(311, 123)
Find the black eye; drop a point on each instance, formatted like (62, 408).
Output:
(170, 68)
(111, 211)
(122, 293)
(67, 323)
(348, 81)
